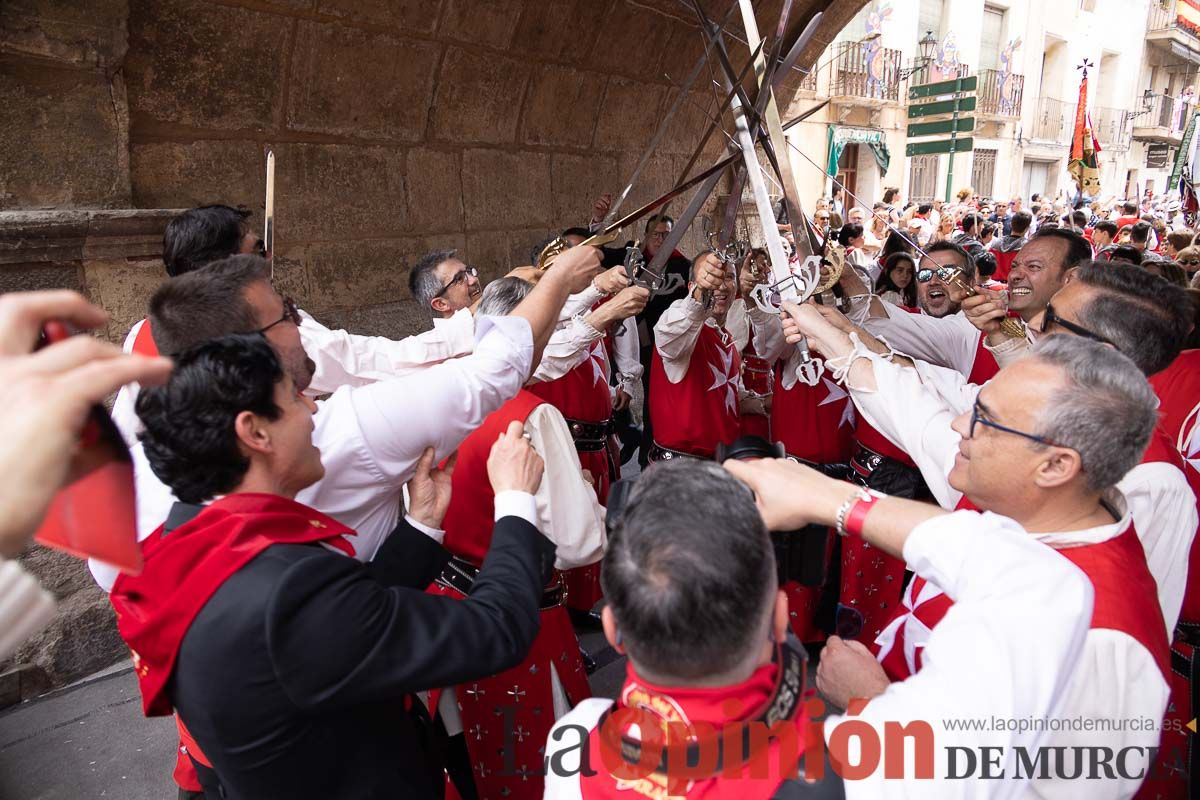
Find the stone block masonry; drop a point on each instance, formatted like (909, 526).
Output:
(398, 126)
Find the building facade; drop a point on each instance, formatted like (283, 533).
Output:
(1143, 57)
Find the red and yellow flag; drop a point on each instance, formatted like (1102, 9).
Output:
(1083, 166)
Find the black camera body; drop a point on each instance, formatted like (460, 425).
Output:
(799, 555)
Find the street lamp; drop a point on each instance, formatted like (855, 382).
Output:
(927, 46)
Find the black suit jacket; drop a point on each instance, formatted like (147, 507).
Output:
(295, 677)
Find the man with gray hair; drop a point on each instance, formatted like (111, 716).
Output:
(1044, 443)
(442, 284)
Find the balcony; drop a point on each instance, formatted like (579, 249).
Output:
(868, 74)
(1000, 94)
(1111, 126)
(1054, 121)
(1174, 28)
(1161, 119)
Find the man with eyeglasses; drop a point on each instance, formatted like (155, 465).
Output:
(443, 285)
(1046, 443)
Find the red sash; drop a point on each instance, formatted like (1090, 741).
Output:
(185, 569)
(143, 343)
(715, 706)
(470, 519)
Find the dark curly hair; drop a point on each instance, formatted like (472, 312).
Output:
(189, 437)
(1147, 318)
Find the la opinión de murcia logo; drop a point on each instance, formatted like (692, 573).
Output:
(669, 753)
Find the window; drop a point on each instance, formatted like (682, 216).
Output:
(922, 178)
(932, 17)
(990, 36)
(983, 173)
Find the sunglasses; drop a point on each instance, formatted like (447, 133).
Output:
(290, 314)
(944, 274)
(458, 278)
(976, 419)
(1192, 263)
(1050, 319)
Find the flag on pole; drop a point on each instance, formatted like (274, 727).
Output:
(1083, 166)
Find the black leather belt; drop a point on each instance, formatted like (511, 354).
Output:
(838, 471)
(590, 437)
(460, 574)
(1188, 633)
(659, 453)
(864, 462)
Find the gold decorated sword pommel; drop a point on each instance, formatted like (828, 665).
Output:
(832, 265)
(952, 276)
(559, 245)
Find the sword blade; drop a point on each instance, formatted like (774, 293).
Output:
(663, 124)
(793, 55)
(712, 176)
(269, 212)
(715, 122)
(777, 153)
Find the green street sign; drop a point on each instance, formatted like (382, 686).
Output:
(941, 146)
(944, 87)
(963, 125)
(942, 107)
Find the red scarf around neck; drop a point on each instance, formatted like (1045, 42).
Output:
(186, 567)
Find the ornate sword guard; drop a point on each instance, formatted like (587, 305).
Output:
(635, 262)
(559, 245)
(1010, 327)
(831, 268)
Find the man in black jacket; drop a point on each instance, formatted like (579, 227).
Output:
(292, 667)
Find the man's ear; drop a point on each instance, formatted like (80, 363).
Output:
(779, 619)
(1060, 467)
(252, 432)
(609, 623)
(439, 305)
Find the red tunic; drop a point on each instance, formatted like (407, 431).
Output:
(1126, 600)
(872, 579)
(523, 693)
(692, 416)
(984, 367)
(815, 423)
(1178, 390)
(757, 378)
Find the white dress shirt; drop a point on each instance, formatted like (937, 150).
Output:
(950, 341)
(341, 359)
(1116, 677)
(626, 357)
(371, 437)
(913, 408)
(1009, 648)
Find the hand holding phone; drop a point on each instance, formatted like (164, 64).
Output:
(53, 430)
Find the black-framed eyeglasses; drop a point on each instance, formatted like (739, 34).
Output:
(975, 418)
(459, 277)
(1193, 263)
(1050, 319)
(290, 314)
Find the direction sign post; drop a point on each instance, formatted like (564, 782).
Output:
(937, 104)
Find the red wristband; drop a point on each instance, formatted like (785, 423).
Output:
(858, 513)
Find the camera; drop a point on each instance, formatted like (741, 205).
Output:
(800, 554)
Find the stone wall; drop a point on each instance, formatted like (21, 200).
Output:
(399, 126)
